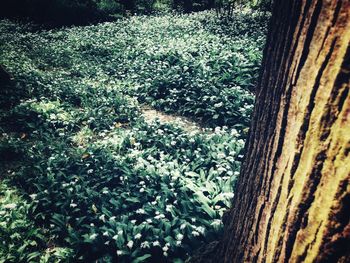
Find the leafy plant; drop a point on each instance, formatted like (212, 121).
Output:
(104, 181)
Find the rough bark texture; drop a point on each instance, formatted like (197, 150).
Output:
(293, 196)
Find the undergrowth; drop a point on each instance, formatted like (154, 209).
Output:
(96, 179)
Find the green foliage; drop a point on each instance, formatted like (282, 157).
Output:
(21, 240)
(103, 181)
(77, 12)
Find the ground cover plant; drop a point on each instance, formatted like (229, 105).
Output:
(99, 180)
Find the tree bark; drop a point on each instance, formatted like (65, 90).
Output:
(292, 201)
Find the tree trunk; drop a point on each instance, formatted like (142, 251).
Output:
(293, 197)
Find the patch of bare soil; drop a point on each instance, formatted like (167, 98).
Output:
(187, 124)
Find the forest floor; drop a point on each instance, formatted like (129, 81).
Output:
(184, 123)
(123, 139)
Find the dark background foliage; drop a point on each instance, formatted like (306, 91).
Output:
(80, 12)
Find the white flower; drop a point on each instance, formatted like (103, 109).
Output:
(33, 196)
(159, 216)
(145, 244)
(93, 236)
(115, 237)
(156, 243)
(130, 244)
(90, 171)
(102, 218)
(179, 236)
(201, 229)
(182, 226)
(165, 248)
(240, 141)
(138, 236)
(140, 211)
(142, 190)
(173, 143)
(119, 252)
(106, 234)
(165, 254)
(73, 205)
(195, 233)
(133, 221)
(178, 243)
(120, 232)
(112, 218)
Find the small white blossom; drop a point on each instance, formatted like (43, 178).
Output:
(165, 248)
(33, 196)
(156, 243)
(130, 244)
(145, 244)
(93, 236)
(179, 236)
(102, 218)
(140, 211)
(195, 233)
(201, 230)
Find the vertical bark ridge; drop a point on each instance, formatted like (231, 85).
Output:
(298, 149)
